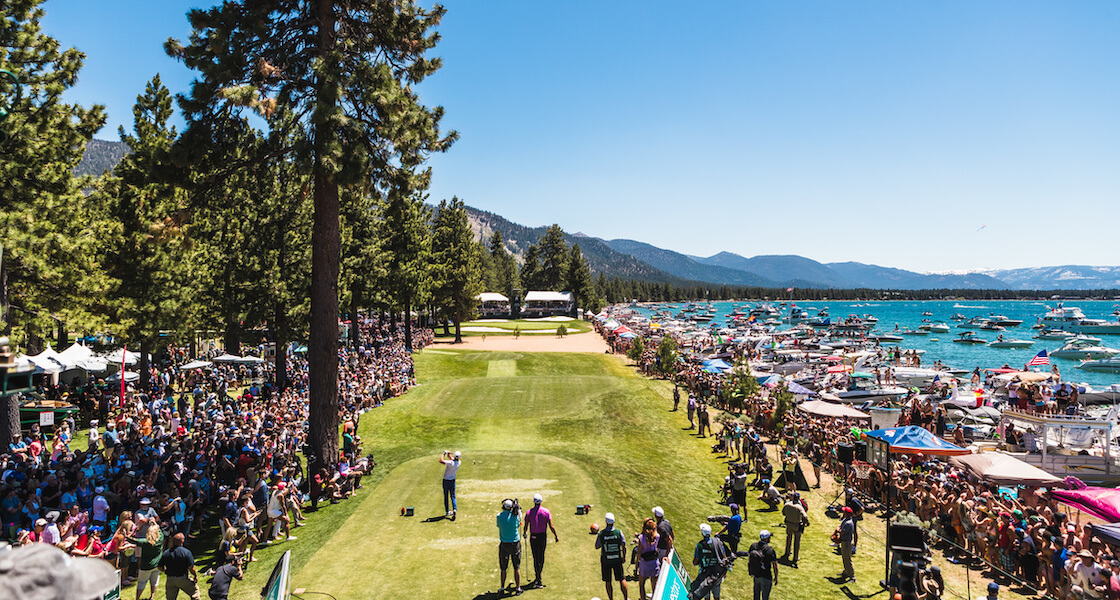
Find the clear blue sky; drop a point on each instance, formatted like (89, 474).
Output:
(883, 132)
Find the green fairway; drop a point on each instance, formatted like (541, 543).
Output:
(577, 428)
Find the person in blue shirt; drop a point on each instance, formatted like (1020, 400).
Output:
(732, 531)
(509, 534)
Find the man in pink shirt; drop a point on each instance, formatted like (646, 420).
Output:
(537, 523)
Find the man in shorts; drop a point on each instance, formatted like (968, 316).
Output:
(509, 548)
(612, 545)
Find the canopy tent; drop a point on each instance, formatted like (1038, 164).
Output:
(196, 364)
(621, 329)
(915, 440)
(1109, 534)
(839, 368)
(250, 360)
(626, 335)
(717, 363)
(1004, 469)
(76, 354)
(822, 408)
(1102, 503)
(226, 358)
(49, 361)
(129, 376)
(611, 325)
(115, 356)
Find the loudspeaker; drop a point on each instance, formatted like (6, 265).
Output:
(409, 511)
(906, 538)
(860, 451)
(844, 453)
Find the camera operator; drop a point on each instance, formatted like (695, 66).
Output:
(739, 484)
(224, 576)
(509, 548)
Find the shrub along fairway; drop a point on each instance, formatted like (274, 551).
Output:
(526, 326)
(577, 428)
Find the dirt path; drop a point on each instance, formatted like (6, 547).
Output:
(579, 342)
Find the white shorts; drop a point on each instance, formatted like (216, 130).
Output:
(145, 576)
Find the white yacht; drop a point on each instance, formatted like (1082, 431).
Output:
(1080, 349)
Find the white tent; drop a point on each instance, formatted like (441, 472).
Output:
(76, 354)
(49, 361)
(196, 364)
(227, 358)
(129, 376)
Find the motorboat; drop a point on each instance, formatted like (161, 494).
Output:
(1002, 343)
(1064, 317)
(884, 337)
(968, 337)
(926, 313)
(918, 376)
(958, 317)
(1004, 321)
(914, 332)
(1099, 326)
(939, 328)
(1053, 333)
(1078, 348)
(881, 392)
(1111, 363)
(991, 326)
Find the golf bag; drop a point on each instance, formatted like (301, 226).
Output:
(705, 580)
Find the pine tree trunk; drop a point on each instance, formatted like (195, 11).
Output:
(9, 417)
(458, 331)
(322, 348)
(62, 340)
(280, 337)
(145, 376)
(408, 321)
(232, 338)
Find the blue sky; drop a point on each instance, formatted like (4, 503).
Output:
(927, 136)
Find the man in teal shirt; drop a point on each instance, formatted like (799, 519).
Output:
(509, 534)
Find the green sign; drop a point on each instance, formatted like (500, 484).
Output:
(674, 581)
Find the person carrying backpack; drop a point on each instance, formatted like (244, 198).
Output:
(762, 563)
(712, 557)
(612, 544)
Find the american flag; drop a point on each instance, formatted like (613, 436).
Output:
(1039, 359)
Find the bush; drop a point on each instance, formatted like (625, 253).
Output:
(562, 330)
(638, 346)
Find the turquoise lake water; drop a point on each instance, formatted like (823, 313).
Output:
(908, 314)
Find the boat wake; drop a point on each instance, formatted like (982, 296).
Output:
(966, 306)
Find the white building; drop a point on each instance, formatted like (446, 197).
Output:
(547, 304)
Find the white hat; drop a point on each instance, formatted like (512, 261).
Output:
(764, 535)
(658, 511)
(609, 517)
(705, 529)
(458, 454)
(43, 572)
(537, 499)
(508, 504)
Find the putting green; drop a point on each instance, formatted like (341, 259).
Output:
(368, 554)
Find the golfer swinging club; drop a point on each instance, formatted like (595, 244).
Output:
(451, 464)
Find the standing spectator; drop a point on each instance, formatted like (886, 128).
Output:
(739, 484)
(612, 545)
(691, 407)
(538, 521)
(710, 556)
(178, 563)
(763, 566)
(649, 561)
(664, 530)
(451, 464)
(796, 519)
(509, 547)
(149, 546)
(846, 537)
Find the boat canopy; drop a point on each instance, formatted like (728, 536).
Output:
(1004, 469)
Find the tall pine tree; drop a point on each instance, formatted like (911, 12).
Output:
(457, 272)
(345, 69)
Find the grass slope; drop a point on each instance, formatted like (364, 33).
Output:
(577, 428)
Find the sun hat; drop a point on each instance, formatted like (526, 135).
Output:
(1085, 554)
(658, 511)
(44, 572)
(609, 518)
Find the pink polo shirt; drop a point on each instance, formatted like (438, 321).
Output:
(538, 518)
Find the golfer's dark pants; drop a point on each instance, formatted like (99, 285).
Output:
(739, 497)
(449, 492)
(537, 542)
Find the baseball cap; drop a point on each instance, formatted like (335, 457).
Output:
(458, 454)
(537, 499)
(609, 517)
(658, 511)
(993, 587)
(705, 529)
(764, 534)
(508, 504)
(43, 572)
(734, 507)
(847, 510)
